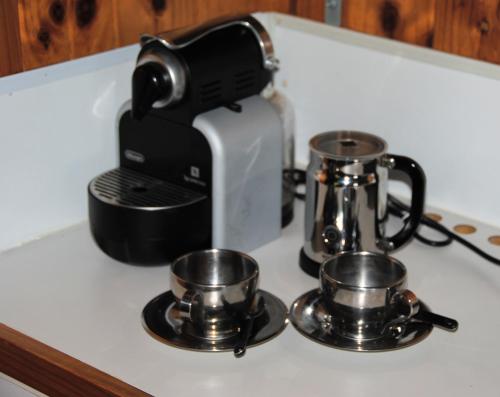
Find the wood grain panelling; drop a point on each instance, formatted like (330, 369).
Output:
(10, 42)
(51, 31)
(143, 16)
(44, 32)
(57, 30)
(93, 26)
(195, 11)
(409, 21)
(136, 17)
(54, 373)
(311, 9)
(469, 27)
(465, 27)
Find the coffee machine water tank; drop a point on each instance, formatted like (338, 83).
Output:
(200, 150)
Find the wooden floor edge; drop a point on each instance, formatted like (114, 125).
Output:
(55, 373)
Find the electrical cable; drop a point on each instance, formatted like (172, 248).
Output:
(401, 210)
(299, 178)
(398, 208)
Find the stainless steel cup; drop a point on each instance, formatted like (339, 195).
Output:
(211, 288)
(365, 295)
(346, 196)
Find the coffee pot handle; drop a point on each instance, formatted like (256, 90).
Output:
(417, 177)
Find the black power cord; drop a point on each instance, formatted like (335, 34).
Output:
(397, 208)
(299, 178)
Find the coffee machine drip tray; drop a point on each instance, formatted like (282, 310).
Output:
(132, 189)
(136, 218)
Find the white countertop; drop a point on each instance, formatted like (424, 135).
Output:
(63, 291)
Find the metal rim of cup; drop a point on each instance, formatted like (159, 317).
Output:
(318, 139)
(334, 259)
(254, 273)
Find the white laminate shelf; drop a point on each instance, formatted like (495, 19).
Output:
(63, 291)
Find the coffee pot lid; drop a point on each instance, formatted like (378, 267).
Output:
(348, 145)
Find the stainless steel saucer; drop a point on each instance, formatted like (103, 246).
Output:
(161, 320)
(308, 311)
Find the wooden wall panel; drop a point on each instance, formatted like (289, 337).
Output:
(44, 32)
(52, 31)
(409, 21)
(195, 11)
(311, 9)
(58, 30)
(10, 41)
(469, 27)
(93, 26)
(136, 17)
(465, 27)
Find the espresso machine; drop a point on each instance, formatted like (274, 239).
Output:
(200, 150)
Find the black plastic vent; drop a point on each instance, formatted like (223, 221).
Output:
(211, 91)
(244, 80)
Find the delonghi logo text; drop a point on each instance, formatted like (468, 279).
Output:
(134, 156)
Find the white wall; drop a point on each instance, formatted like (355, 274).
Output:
(56, 133)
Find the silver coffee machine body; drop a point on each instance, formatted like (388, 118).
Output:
(246, 173)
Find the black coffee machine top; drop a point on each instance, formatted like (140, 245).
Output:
(182, 73)
(200, 150)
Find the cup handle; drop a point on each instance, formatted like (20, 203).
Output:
(187, 303)
(406, 299)
(409, 300)
(417, 178)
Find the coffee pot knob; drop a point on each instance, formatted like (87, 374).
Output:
(150, 83)
(331, 238)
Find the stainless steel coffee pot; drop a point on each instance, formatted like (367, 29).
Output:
(346, 197)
